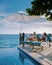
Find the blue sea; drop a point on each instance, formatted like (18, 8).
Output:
(9, 53)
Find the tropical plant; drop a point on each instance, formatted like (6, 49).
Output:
(40, 7)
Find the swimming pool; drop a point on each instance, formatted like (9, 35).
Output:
(9, 53)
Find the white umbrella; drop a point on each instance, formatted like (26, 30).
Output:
(25, 23)
(20, 18)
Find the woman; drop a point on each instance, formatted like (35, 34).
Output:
(32, 37)
(44, 37)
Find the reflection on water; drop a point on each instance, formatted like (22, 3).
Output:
(25, 60)
(12, 56)
(21, 58)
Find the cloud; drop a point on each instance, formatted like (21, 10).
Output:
(14, 28)
(7, 27)
(4, 15)
(39, 25)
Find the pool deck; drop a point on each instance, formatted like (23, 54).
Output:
(42, 56)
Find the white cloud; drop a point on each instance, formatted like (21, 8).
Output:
(3, 15)
(13, 27)
(38, 27)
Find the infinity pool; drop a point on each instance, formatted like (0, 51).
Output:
(11, 56)
(9, 53)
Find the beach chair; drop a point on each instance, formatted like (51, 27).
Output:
(36, 43)
(26, 43)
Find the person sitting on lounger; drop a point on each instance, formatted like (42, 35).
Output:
(44, 37)
(32, 37)
(39, 37)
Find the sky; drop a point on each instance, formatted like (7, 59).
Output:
(10, 7)
(13, 6)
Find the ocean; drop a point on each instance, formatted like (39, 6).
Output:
(9, 40)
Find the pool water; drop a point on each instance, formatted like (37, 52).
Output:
(9, 53)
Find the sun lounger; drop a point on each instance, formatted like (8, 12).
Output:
(31, 43)
(36, 43)
(26, 42)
